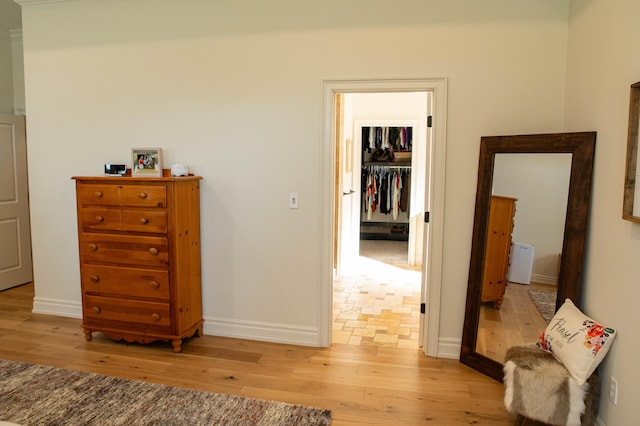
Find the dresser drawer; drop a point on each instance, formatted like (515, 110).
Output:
(122, 195)
(126, 250)
(96, 194)
(154, 221)
(101, 310)
(103, 219)
(99, 219)
(143, 196)
(126, 282)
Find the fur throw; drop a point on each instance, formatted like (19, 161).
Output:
(539, 387)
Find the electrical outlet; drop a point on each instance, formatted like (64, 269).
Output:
(293, 200)
(613, 390)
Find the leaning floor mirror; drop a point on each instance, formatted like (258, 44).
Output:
(533, 196)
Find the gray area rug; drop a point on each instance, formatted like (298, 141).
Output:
(43, 395)
(545, 302)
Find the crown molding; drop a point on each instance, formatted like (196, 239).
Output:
(29, 2)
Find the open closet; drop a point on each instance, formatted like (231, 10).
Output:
(385, 182)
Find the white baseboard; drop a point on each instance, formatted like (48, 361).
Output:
(449, 348)
(260, 331)
(544, 279)
(61, 308)
(266, 332)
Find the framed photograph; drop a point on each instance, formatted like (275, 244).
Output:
(146, 162)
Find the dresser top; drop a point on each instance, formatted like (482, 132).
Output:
(166, 177)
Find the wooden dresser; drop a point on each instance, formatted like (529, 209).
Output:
(139, 244)
(496, 262)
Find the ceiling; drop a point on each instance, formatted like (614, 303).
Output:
(10, 16)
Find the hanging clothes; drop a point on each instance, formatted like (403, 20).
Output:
(386, 189)
(397, 190)
(405, 197)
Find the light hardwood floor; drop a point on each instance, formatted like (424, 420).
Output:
(517, 322)
(362, 385)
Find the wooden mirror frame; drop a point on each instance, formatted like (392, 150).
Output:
(632, 155)
(582, 147)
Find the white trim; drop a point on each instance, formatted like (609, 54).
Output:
(438, 87)
(58, 307)
(30, 2)
(261, 331)
(449, 348)
(544, 279)
(435, 243)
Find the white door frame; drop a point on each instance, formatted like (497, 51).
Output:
(435, 203)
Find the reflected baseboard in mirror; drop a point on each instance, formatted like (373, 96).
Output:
(577, 194)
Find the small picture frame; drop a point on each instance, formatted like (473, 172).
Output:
(146, 162)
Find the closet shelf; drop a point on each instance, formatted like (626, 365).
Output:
(386, 164)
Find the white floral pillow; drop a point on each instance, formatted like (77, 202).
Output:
(577, 341)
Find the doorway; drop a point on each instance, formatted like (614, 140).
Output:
(382, 166)
(333, 192)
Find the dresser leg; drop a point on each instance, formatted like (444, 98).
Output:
(87, 334)
(177, 345)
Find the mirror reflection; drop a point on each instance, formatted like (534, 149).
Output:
(531, 191)
(523, 249)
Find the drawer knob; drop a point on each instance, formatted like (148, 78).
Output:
(96, 309)
(93, 247)
(144, 220)
(95, 278)
(99, 218)
(154, 284)
(143, 195)
(156, 317)
(153, 251)
(98, 194)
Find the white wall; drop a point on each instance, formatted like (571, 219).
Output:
(17, 66)
(602, 64)
(234, 89)
(6, 74)
(10, 19)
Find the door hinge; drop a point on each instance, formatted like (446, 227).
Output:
(423, 308)
(427, 216)
(430, 121)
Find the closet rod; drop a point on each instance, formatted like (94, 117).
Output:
(387, 166)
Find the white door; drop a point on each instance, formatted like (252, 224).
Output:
(15, 235)
(348, 191)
